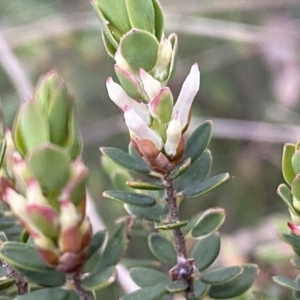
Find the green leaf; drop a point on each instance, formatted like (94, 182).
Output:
(74, 145)
(296, 162)
(25, 260)
(285, 194)
(162, 249)
(97, 241)
(49, 293)
(296, 294)
(206, 251)
(130, 198)
(200, 188)
(154, 213)
(30, 128)
(174, 41)
(2, 151)
(125, 160)
(145, 277)
(139, 185)
(99, 280)
(147, 293)
(3, 237)
(50, 165)
(200, 288)
(129, 83)
(169, 226)
(176, 286)
(196, 172)
(141, 14)
(222, 275)
(286, 282)
(287, 168)
(104, 272)
(130, 49)
(6, 283)
(198, 141)
(209, 222)
(237, 285)
(115, 12)
(159, 20)
(295, 189)
(107, 37)
(179, 170)
(292, 240)
(113, 250)
(58, 115)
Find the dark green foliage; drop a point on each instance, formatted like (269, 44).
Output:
(51, 294)
(25, 260)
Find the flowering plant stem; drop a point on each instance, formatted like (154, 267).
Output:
(183, 267)
(83, 295)
(21, 283)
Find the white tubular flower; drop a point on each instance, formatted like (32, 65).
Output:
(173, 136)
(151, 86)
(136, 125)
(121, 99)
(187, 94)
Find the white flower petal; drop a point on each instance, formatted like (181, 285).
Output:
(151, 85)
(121, 99)
(173, 136)
(187, 94)
(136, 124)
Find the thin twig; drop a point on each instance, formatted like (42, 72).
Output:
(21, 283)
(14, 70)
(199, 26)
(83, 294)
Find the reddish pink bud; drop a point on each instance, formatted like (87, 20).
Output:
(294, 228)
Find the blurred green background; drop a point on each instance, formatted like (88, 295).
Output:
(248, 54)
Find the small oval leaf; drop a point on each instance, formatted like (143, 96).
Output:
(145, 277)
(287, 168)
(141, 14)
(286, 282)
(286, 195)
(31, 128)
(180, 169)
(176, 286)
(130, 198)
(130, 49)
(162, 249)
(206, 251)
(196, 172)
(50, 164)
(236, 286)
(154, 213)
(147, 293)
(198, 141)
(209, 222)
(49, 293)
(99, 280)
(97, 241)
(222, 275)
(125, 160)
(25, 259)
(200, 188)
